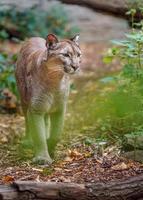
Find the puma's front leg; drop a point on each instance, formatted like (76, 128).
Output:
(37, 130)
(56, 127)
(47, 125)
(27, 140)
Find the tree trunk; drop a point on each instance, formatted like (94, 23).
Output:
(130, 189)
(117, 7)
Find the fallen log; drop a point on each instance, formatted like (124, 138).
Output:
(129, 189)
(116, 7)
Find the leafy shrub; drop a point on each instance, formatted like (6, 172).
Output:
(34, 22)
(7, 79)
(135, 13)
(113, 106)
(136, 4)
(123, 106)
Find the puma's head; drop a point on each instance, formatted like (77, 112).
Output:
(67, 51)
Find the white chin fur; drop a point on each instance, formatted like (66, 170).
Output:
(69, 70)
(72, 71)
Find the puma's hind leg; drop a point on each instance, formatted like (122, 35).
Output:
(27, 139)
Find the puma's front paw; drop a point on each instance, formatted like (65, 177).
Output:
(42, 160)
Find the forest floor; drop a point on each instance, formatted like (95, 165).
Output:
(79, 158)
(80, 164)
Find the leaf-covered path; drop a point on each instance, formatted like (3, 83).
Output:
(79, 164)
(78, 157)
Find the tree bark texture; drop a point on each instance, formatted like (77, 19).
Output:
(129, 189)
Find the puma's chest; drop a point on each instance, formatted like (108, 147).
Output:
(51, 100)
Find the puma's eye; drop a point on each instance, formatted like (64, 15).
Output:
(66, 55)
(78, 55)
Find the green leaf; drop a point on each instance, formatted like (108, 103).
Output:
(131, 12)
(119, 42)
(108, 59)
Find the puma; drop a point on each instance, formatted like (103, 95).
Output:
(42, 73)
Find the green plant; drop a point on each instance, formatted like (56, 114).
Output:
(7, 79)
(113, 106)
(136, 4)
(123, 106)
(135, 13)
(129, 52)
(34, 22)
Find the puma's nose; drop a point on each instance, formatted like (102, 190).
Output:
(75, 67)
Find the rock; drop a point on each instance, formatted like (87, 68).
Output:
(94, 26)
(133, 145)
(133, 142)
(134, 155)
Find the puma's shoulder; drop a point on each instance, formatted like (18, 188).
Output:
(32, 53)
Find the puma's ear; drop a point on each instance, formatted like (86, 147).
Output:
(51, 40)
(75, 39)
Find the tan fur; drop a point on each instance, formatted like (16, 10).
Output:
(43, 83)
(33, 64)
(30, 58)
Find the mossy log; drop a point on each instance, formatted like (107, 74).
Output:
(129, 189)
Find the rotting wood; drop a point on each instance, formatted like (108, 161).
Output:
(129, 189)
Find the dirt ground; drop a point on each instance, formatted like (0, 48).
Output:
(79, 164)
(77, 158)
